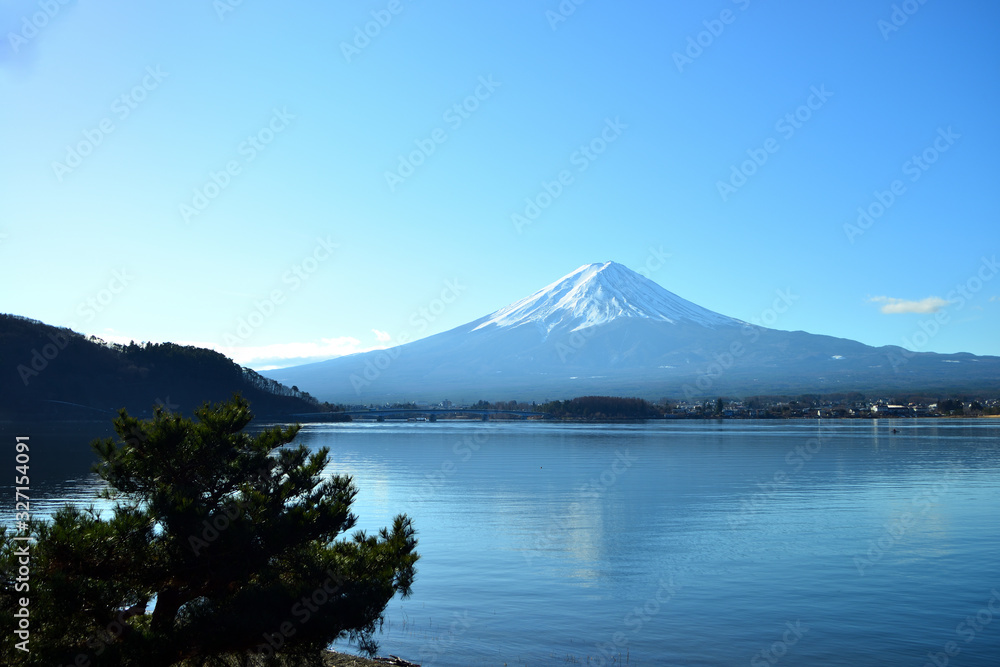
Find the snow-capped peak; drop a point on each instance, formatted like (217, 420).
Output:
(599, 293)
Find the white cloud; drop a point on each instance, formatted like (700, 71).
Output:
(893, 306)
(383, 336)
(267, 357)
(275, 354)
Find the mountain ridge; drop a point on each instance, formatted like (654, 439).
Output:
(604, 329)
(54, 373)
(592, 292)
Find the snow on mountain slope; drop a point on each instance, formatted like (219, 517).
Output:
(605, 330)
(599, 293)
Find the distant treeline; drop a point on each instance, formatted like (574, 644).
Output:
(856, 404)
(600, 408)
(50, 372)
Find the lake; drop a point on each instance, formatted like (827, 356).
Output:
(672, 542)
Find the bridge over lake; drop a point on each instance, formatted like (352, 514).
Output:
(430, 413)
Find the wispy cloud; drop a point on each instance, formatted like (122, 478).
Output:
(893, 306)
(382, 336)
(287, 354)
(267, 357)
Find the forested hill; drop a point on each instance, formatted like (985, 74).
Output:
(49, 372)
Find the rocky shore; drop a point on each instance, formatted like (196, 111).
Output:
(334, 659)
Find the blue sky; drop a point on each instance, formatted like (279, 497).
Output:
(272, 181)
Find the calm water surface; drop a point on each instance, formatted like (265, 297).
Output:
(676, 543)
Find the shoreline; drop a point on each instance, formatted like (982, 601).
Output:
(337, 659)
(34, 421)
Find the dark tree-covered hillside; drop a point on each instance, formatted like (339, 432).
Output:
(49, 372)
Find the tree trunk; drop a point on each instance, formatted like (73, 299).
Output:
(168, 602)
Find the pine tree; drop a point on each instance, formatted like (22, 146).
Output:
(221, 548)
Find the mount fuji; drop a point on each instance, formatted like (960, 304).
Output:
(605, 329)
